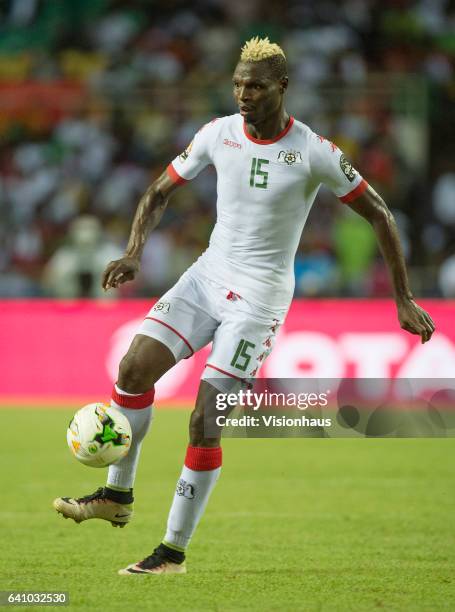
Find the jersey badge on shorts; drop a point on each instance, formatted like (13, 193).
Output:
(163, 307)
(290, 157)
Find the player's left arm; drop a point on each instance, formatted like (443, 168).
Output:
(411, 316)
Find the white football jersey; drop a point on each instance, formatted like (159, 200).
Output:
(265, 191)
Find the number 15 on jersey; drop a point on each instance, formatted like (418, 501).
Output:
(258, 177)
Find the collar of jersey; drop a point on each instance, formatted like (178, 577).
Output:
(269, 140)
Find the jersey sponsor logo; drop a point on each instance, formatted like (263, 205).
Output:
(185, 489)
(347, 168)
(163, 307)
(231, 143)
(184, 156)
(290, 157)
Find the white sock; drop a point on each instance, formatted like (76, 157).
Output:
(199, 475)
(138, 410)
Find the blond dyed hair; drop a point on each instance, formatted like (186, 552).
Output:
(257, 49)
(262, 50)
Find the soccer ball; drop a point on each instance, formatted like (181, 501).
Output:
(99, 435)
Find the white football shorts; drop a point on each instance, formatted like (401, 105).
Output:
(196, 311)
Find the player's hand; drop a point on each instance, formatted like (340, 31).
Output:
(415, 320)
(120, 271)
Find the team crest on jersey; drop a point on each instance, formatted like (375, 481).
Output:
(184, 156)
(163, 307)
(290, 157)
(347, 168)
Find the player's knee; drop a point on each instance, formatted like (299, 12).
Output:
(146, 361)
(133, 376)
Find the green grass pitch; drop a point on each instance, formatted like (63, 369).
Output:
(296, 524)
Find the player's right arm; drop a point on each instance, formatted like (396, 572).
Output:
(148, 214)
(152, 205)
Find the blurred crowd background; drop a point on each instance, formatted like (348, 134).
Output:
(97, 96)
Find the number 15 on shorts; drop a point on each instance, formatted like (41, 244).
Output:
(241, 357)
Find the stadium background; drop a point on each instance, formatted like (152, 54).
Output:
(96, 96)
